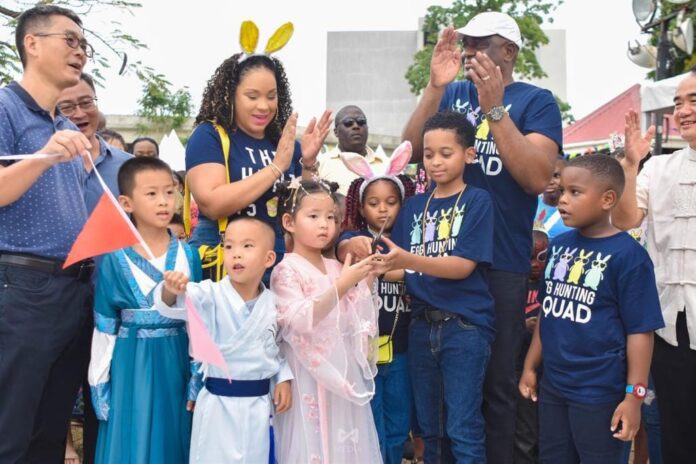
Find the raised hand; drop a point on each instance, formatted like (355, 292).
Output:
(446, 60)
(286, 144)
(636, 147)
(68, 144)
(488, 79)
(352, 274)
(314, 136)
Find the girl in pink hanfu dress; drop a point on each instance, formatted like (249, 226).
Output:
(328, 321)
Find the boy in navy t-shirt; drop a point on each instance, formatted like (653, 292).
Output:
(599, 308)
(443, 238)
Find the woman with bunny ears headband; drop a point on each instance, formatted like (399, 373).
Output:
(244, 140)
(372, 204)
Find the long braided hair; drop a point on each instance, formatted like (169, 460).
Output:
(218, 97)
(353, 219)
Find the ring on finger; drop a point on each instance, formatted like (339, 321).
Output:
(485, 78)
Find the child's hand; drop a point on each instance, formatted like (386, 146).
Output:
(528, 384)
(358, 247)
(175, 282)
(530, 324)
(282, 397)
(190, 405)
(628, 413)
(353, 273)
(384, 263)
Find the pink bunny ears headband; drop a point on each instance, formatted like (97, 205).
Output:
(397, 162)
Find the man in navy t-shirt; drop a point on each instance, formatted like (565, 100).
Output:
(517, 139)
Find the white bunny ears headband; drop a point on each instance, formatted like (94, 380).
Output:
(397, 162)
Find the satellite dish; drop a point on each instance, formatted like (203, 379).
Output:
(644, 56)
(683, 36)
(643, 9)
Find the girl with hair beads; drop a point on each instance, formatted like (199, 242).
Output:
(244, 140)
(327, 319)
(372, 205)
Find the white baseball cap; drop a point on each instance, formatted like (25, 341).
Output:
(493, 23)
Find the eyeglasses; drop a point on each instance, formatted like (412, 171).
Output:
(86, 104)
(72, 41)
(348, 122)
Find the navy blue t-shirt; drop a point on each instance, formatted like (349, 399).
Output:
(446, 229)
(390, 302)
(533, 110)
(247, 156)
(596, 291)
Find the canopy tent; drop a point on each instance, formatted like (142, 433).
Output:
(657, 95)
(173, 152)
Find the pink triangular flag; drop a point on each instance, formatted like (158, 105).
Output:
(203, 348)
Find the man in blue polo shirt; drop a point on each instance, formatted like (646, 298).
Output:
(45, 310)
(518, 137)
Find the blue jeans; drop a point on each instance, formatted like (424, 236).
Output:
(391, 407)
(448, 363)
(571, 433)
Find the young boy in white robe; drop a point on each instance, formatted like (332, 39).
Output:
(231, 421)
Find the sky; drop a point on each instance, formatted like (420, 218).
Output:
(186, 44)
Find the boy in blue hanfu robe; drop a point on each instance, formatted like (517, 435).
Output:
(140, 370)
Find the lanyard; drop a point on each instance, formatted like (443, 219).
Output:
(425, 214)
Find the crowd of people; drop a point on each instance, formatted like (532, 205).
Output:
(490, 309)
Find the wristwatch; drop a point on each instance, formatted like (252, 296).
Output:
(496, 113)
(638, 390)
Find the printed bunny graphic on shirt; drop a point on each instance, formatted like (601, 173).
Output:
(578, 267)
(443, 228)
(416, 230)
(595, 275)
(561, 268)
(458, 217)
(552, 262)
(430, 222)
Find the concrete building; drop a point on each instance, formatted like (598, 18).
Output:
(368, 69)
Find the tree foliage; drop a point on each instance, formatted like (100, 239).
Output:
(529, 14)
(679, 62)
(159, 103)
(163, 107)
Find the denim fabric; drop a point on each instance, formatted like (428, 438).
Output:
(391, 407)
(571, 433)
(447, 364)
(45, 331)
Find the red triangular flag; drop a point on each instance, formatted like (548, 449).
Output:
(203, 348)
(107, 229)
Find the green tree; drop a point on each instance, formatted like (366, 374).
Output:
(529, 15)
(164, 108)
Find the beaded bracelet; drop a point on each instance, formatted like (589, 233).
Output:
(313, 168)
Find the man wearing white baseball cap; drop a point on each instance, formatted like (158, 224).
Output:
(518, 137)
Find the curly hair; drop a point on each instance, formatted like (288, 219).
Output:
(289, 199)
(218, 97)
(353, 219)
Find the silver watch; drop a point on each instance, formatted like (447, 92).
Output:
(496, 113)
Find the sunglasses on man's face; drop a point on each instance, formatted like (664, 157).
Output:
(348, 122)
